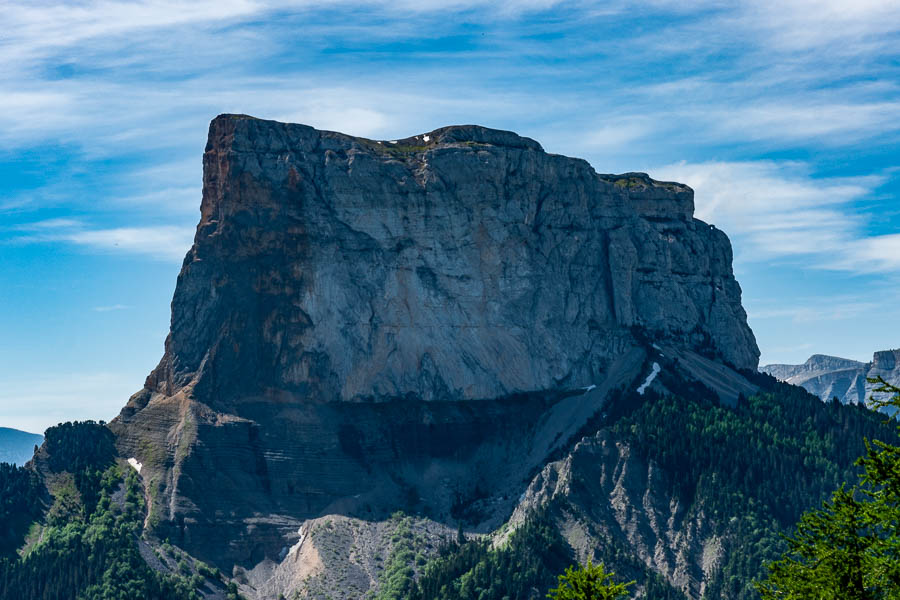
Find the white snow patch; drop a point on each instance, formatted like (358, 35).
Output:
(393, 142)
(426, 138)
(649, 379)
(134, 463)
(296, 546)
(589, 388)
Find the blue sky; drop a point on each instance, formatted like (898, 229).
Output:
(784, 117)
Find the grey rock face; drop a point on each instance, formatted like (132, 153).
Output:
(468, 265)
(362, 325)
(831, 377)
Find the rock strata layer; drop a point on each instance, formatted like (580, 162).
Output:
(364, 325)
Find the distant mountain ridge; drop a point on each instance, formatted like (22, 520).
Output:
(833, 377)
(17, 447)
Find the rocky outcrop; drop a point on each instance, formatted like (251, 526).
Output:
(847, 380)
(604, 491)
(363, 325)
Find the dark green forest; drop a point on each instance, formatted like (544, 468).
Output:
(20, 493)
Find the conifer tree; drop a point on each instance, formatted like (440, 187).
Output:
(589, 582)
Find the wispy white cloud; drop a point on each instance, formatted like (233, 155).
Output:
(787, 26)
(875, 253)
(802, 24)
(850, 320)
(614, 137)
(166, 200)
(806, 119)
(145, 73)
(764, 110)
(775, 210)
(35, 28)
(49, 224)
(111, 308)
(165, 242)
(817, 310)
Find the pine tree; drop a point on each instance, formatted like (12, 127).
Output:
(589, 582)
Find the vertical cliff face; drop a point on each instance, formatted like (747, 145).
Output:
(462, 264)
(365, 323)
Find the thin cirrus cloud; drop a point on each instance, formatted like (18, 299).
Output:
(167, 242)
(835, 123)
(776, 210)
(791, 26)
(111, 308)
(822, 21)
(815, 310)
(776, 103)
(762, 111)
(35, 29)
(164, 242)
(49, 224)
